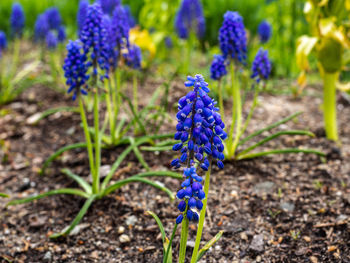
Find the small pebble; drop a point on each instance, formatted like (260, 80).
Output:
(124, 239)
(121, 230)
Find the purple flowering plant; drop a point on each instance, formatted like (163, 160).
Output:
(233, 45)
(86, 66)
(200, 131)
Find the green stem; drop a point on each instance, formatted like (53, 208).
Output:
(15, 59)
(114, 108)
(87, 135)
(330, 105)
(221, 101)
(96, 176)
(201, 217)
(135, 91)
(111, 121)
(183, 241)
(238, 106)
(252, 108)
(170, 243)
(230, 135)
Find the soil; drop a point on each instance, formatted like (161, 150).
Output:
(281, 208)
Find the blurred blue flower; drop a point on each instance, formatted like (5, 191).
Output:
(108, 5)
(17, 20)
(200, 130)
(3, 40)
(53, 17)
(168, 42)
(75, 69)
(94, 39)
(264, 31)
(82, 10)
(261, 67)
(120, 28)
(131, 19)
(232, 37)
(51, 40)
(133, 57)
(218, 67)
(190, 18)
(61, 34)
(41, 27)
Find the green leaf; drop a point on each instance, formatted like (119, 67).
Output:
(281, 151)
(70, 191)
(59, 152)
(123, 182)
(159, 223)
(138, 154)
(273, 136)
(156, 148)
(77, 219)
(160, 173)
(209, 245)
(52, 111)
(79, 180)
(4, 195)
(270, 127)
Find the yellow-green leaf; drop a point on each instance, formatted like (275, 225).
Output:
(305, 45)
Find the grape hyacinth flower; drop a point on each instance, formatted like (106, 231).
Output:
(61, 34)
(54, 18)
(168, 42)
(51, 40)
(131, 19)
(17, 20)
(108, 5)
(3, 41)
(200, 130)
(261, 67)
(232, 37)
(82, 10)
(120, 28)
(133, 57)
(189, 18)
(94, 39)
(41, 28)
(112, 53)
(75, 69)
(264, 31)
(218, 67)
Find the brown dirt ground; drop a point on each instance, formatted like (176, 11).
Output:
(283, 208)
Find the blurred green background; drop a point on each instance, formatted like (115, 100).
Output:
(286, 17)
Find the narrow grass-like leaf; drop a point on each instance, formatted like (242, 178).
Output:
(119, 161)
(281, 151)
(4, 195)
(70, 191)
(159, 223)
(167, 246)
(77, 219)
(55, 110)
(156, 148)
(273, 136)
(270, 127)
(139, 154)
(208, 245)
(123, 182)
(159, 174)
(85, 185)
(59, 152)
(134, 113)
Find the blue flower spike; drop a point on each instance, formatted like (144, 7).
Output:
(41, 27)
(264, 31)
(200, 130)
(232, 37)
(134, 57)
(218, 67)
(51, 40)
(81, 15)
(95, 43)
(261, 67)
(17, 20)
(189, 18)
